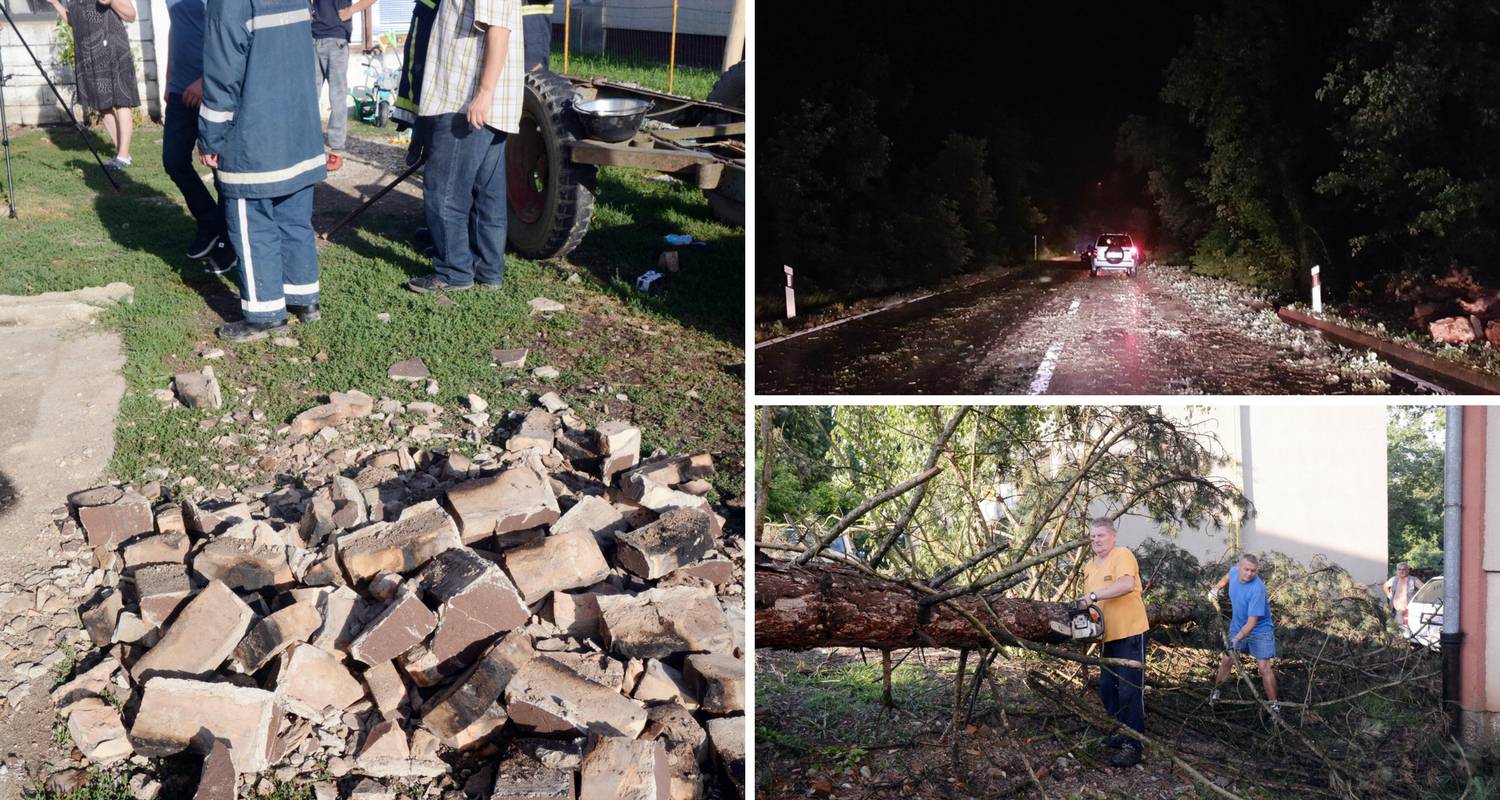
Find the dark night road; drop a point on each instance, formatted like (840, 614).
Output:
(1049, 328)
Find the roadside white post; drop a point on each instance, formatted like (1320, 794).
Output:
(1317, 291)
(791, 297)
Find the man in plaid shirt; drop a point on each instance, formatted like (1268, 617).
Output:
(471, 98)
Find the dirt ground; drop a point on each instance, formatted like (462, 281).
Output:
(60, 393)
(859, 751)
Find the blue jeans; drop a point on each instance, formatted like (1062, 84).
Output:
(278, 253)
(179, 140)
(1122, 688)
(1259, 644)
(464, 197)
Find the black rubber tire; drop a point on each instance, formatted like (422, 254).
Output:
(729, 89)
(728, 201)
(382, 114)
(541, 156)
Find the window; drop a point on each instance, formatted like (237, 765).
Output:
(29, 9)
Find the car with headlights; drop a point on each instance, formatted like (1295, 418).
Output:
(1114, 252)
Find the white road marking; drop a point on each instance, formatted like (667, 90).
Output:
(1048, 366)
(817, 328)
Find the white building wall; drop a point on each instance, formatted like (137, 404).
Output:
(1316, 476)
(28, 101)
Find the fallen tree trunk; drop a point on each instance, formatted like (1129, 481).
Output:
(828, 605)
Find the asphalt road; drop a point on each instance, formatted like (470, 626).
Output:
(1045, 328)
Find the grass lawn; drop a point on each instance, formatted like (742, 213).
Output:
(671, 360)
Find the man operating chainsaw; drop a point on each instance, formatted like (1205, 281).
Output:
(1113, 583)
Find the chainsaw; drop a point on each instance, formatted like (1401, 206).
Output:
(1083, 625)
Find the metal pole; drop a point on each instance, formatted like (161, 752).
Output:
(1452, 638)
(567, 31)
(734, 44)
(672, 53)
(10, 181)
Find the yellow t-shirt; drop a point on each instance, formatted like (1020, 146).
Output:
(1124, 615)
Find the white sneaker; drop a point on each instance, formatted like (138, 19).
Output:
(117, 163)
(1276, 708)
(1213, 698)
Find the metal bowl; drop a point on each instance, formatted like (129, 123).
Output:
(613, 119)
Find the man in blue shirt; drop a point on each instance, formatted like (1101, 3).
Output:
(331, 30)
(180, 132)
(1250, 627)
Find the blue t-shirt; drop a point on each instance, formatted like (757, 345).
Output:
(186, 41)
(325, 20)
(1249, 600)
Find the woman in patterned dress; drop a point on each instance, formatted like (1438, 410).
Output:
(103, 65)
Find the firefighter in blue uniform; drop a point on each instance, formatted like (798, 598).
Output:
(259, 127)
(536, 33)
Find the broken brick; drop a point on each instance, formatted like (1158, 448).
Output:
(719, 681)
(403, 624)
(620, 445)
(102, 614)
(663, 621)
(558, 691)
(217, 780)
(595, 515)
(535, 431)
(160, 590)
(518, 776)
(679, 538)
(386, 687)
(423, 531)
(475, 603)
(468, 712)
(275, 633)
(176, 714)
(311, 681)
(514, 500)
(556, 563)
(95, 728)
(203, 635)
(109, 526)
(243, 563)
(617, 768)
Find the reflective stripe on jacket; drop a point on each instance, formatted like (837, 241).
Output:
(260, 97)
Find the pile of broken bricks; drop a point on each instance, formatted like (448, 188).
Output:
(563, 621)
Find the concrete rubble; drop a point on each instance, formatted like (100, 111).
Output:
(548, 617)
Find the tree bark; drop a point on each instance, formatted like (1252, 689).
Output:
(829, 605)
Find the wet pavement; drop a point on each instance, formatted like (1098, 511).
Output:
(1049, 328)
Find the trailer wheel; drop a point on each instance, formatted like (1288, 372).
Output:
(728, 200)
(729, 89)
(551, 199)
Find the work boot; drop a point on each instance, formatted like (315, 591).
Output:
(221, 259)
(247, 331)
(1117, 741)
(1129, 756)
(310, 313)
(1213, 698)
(432, 283)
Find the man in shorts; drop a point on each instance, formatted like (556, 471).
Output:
(1250, 627)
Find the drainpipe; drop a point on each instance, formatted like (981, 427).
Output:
(1452, 638)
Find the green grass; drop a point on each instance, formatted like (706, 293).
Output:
(101, 786)
(694, 82)
(661, 349)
